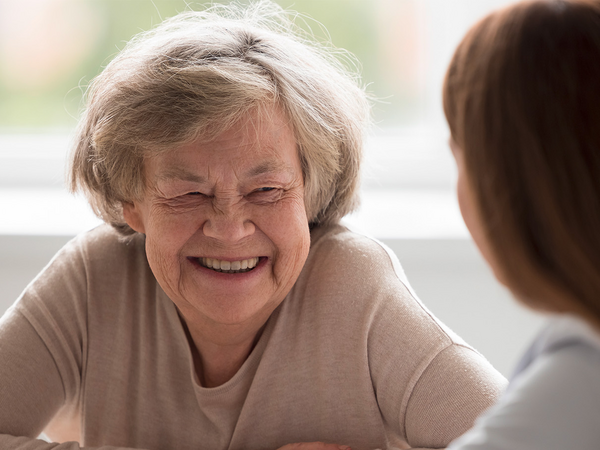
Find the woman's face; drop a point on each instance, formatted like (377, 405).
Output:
(225, 223)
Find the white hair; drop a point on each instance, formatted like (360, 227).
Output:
(198, 73)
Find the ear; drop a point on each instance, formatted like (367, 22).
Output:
(133, 217)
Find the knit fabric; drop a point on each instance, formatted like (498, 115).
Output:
(94, 353)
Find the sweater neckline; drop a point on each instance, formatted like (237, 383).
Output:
(247, 369)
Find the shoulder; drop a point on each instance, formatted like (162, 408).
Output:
(100, 244)
(354, 273)
(104, 243)
(340, 237)
(346, 251)
(345, 266)
(363, 269)
(567, 376)
(93, 262)
(563, 330)
(101, 253)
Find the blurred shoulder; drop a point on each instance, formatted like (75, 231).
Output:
(552, 404)
(91, 258)
(104, 245)
(566, 357)
(104, 239)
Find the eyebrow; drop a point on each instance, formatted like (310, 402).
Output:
(181, 173)
(269, 167)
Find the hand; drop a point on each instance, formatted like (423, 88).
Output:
(314, 446)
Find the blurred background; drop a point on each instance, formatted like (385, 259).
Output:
(51, 49)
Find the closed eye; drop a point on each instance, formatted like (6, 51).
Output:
(265, 194)
(196, 195)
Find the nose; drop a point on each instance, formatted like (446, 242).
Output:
(228, 223)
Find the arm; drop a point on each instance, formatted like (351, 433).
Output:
(430, 385)
(452, 391)
(42, 354)
(31, 386)
(31, 389)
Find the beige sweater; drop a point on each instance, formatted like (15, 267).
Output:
(94, 352)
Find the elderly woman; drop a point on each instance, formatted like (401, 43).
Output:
(223, 306)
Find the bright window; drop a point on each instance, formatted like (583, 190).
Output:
(50, 50)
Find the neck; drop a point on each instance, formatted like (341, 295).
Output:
(219, 356)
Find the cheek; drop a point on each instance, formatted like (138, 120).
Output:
(473, 222)
(286, 226)
(162, 253)
(465, 204)
(166, 235)
(172, 226)
(469, 214)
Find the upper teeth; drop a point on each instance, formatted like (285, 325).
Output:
(229, 265)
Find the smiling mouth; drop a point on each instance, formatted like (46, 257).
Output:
(242, 266)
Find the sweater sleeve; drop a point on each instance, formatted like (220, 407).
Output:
(453, 390)
(42, 353)
(430, 385)
(31, 387)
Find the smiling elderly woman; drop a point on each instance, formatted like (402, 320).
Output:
(223, 306)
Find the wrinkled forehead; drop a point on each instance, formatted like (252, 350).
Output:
(177, 171)
(255, 145)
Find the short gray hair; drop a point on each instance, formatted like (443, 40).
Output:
(197, 74)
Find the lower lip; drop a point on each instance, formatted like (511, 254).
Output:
(262, 262)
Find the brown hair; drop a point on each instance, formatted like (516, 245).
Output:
(196, 75)
(522, 98)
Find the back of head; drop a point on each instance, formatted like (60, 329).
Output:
(522, 97)
(196, 75)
